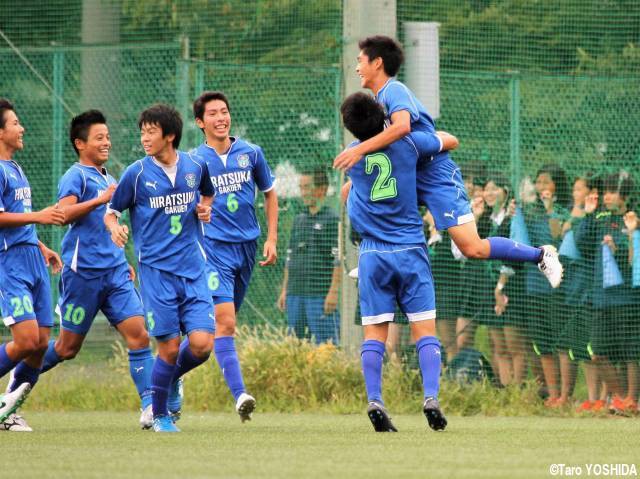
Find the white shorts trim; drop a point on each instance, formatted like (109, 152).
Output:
(8, 321)
(377, 319)
(424, 316)
(468, 218)
(389, 251)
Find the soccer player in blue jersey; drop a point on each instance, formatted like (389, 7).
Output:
(167, 192)
(393, 265)
(96, 275)
(24, 286)
(238, 169)
(439, 182)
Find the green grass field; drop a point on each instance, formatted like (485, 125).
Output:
(86, 445)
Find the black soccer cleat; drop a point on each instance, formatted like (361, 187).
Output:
(433, 413)
(380, 418)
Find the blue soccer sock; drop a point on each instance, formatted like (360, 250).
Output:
(141, 368)
(430, 360)
(160, 382)
(186, 360)
(372, 355)
(51, 358)
(24, 374)
(508, 250)
(227, 357)
(6, 364)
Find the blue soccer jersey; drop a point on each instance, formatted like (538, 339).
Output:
(439, 181)
(167, 234)
(235, 177)
(383, 202)
(87, 244)
(394, 96)
(15, 197)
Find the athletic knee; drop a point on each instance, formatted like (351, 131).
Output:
(66, 351)
(138, 340)
(27, 345)
(201, 349)
(474, 249)
(225, 325)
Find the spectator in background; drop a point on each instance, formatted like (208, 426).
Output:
(574, 342)
(604, 237)
(544, 219)
(498, 219)
(312, 270)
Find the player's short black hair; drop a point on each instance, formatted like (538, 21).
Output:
(362, 116)
(206, 97)
(318, 175)
(619, 183)
(5, 105)
(380, 46)
(81, 124)
(166, 117)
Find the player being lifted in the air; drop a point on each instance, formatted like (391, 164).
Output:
(393, 263)
(238, 169)
(439, 182)
(96, 275)
(25, 292)
(168, 193)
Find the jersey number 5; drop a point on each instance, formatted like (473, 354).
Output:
(385, 185)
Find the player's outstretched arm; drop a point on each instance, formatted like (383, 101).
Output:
(449, 142)
(270, 245)
(52, 215)
(73, 210)
(400, 127)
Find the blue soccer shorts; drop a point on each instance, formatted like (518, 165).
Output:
(175, 304)
(83, 294)
(441, 189)
(395, 273)
(25, 286)
(229, 268)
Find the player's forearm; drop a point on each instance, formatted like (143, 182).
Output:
(110, 220)
(336, 278)
(271, 212)
(74, 212)
(15, 220)
(449, 142)
(206, 200)
(285, 279)
(344, 191)
(384, 138)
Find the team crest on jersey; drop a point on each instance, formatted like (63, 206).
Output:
(243, 161)
(191, 180)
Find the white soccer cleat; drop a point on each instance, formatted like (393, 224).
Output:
(15, 423)
(245, 405)
(550, 265)
(146, 417)
(10, 402)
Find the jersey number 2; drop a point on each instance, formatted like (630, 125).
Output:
(385, 185)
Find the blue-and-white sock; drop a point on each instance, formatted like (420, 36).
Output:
(160, 382)
(372, 354)
(508, 250)
(24, 374)
(51, 358)
(186, 360)
(227, 357)
(141, 368)
(6, 364)
(430, 360)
